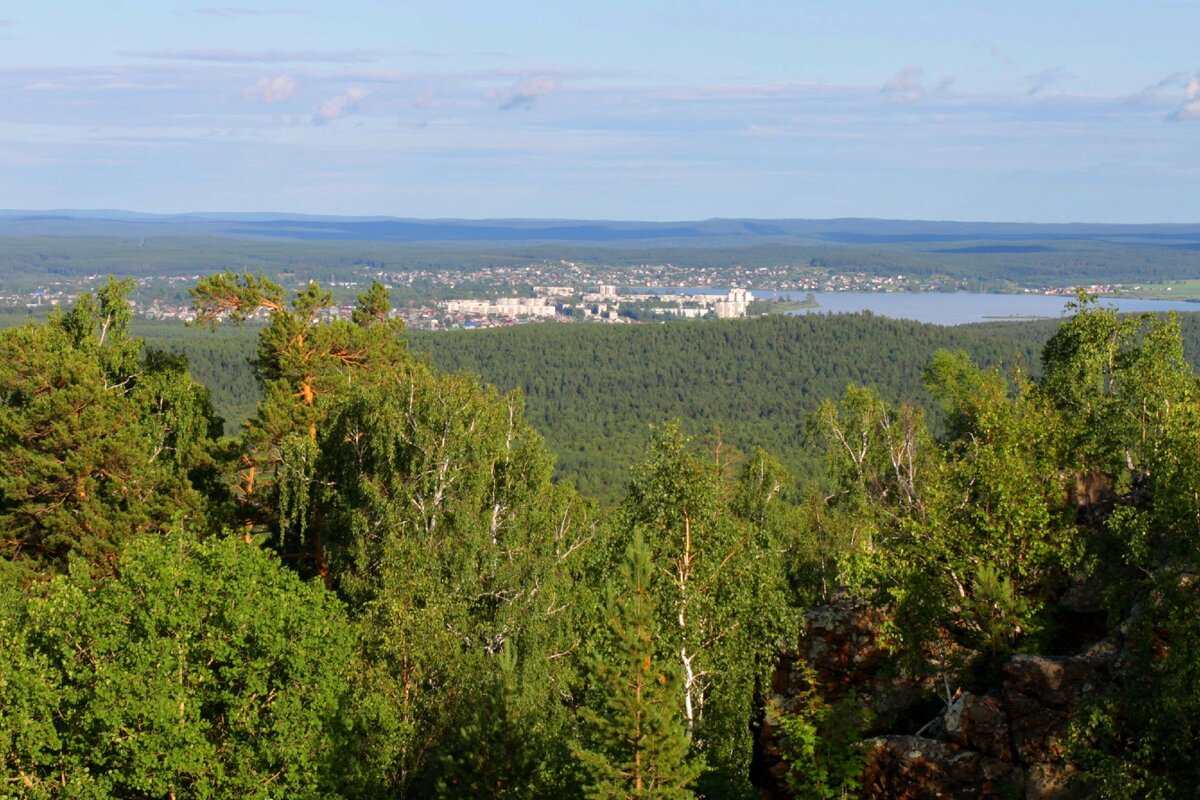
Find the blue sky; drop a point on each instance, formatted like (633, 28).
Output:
(1026, 111)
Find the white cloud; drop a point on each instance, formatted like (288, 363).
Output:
(525, 92)
(1191, 102)
(908, 84)
(906, 79)
(340, 106)
(271, 90)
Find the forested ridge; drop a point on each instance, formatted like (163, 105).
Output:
(378, 590)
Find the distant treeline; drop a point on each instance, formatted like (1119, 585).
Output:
(592, 390)
(983, 262)
(220, 359)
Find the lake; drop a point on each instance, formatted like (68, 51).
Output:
(949, 308)
(960, 308)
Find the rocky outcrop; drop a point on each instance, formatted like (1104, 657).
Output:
(915, 768)
(1040, 693)
(842, 653)
(1009, 743)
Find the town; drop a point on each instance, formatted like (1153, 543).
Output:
(546, 291)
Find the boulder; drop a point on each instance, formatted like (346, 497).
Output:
(1039, 694)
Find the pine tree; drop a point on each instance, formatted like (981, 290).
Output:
(638, 746)
(301, 362)
(97, 443)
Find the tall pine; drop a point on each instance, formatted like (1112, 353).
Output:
(638, 747)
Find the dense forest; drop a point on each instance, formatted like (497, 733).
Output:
(378, 590)
(592, 391)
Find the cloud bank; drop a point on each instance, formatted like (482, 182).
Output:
(257, 56)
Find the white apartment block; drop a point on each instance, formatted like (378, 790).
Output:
(554, 291)
(735, 304)
(503, 307)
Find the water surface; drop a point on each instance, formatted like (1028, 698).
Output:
(942, 308)
(960, 308)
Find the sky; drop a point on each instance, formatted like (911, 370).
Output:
(1047, 111)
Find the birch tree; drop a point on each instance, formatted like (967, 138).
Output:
(717, 585)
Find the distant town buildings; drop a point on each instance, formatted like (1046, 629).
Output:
(504, 307)
(735, 305)
(563, 291)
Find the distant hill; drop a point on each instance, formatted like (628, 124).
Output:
(41, 246)
(846, 232)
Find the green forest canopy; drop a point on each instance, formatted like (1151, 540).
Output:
(377, 590)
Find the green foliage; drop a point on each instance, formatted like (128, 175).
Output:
(449, 540)
(98, 444)
(721, 591)
(968, 536)
(995, 609)
(1114, 379)
(237, 297)
(217, 359)
(636, 746)
(1132, 414)
(820, 742)
(202, 669)
(1139, 742)
(426, 500)
(507, 745)
(590, 389)
(301, 362)
(478, 653)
